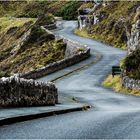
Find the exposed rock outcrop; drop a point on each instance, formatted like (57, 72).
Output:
(74, 53)
(134, 38)
(87, 17)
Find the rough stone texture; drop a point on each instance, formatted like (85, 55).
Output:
(57, 65)
(15, 91)
(75, 53)
(22, 41)
(50, 26)
(130, 83)
(86, 20)
(133, 42)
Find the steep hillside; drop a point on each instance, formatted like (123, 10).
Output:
(25, 46)
(131, 64)
(66, 9)
(115, 19)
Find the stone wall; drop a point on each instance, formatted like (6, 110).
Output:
(75, 53)
(50, 26)
(57, 65)
(130, 83)
(15, 91)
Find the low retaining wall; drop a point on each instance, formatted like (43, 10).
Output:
(50, 26)
(57, 65)
(130, 83)
(15, 91)
(72, 56)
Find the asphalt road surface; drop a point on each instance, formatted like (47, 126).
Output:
(112, 115)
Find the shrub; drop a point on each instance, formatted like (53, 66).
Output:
(69, 11)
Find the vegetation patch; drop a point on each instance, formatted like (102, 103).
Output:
(131, 64)
(82, 33)
(25, 47)
(115, 83)
(113, 21)
(66, 9)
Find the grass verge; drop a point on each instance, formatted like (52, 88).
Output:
(115, 83)
(82, 33)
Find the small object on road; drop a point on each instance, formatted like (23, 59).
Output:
(116, 70)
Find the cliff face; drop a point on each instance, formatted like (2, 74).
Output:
(133, 42)
(132, 61)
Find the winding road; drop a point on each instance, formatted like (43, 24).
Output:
(112, 115)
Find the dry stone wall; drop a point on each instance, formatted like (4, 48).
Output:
(131, 83)
(16, 92)
(50, 26)
(75, 53)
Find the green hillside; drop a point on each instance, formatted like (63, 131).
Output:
(37, 51)
(114, 19)
(66, 9)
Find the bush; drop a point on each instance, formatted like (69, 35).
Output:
(45, 19)
(69, 11)
(36, 32)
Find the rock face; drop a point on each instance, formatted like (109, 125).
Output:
(86, 19)
(134, 38)
(74, 53)
(131, 64)
(15, 91)
(24, 38)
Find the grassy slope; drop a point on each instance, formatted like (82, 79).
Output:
(131, 64)
(34, 55)
(111, 29)
(39, 51)
(7, 23)
(116, 84)
(66, 9)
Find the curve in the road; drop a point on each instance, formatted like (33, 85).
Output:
(112, 116)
